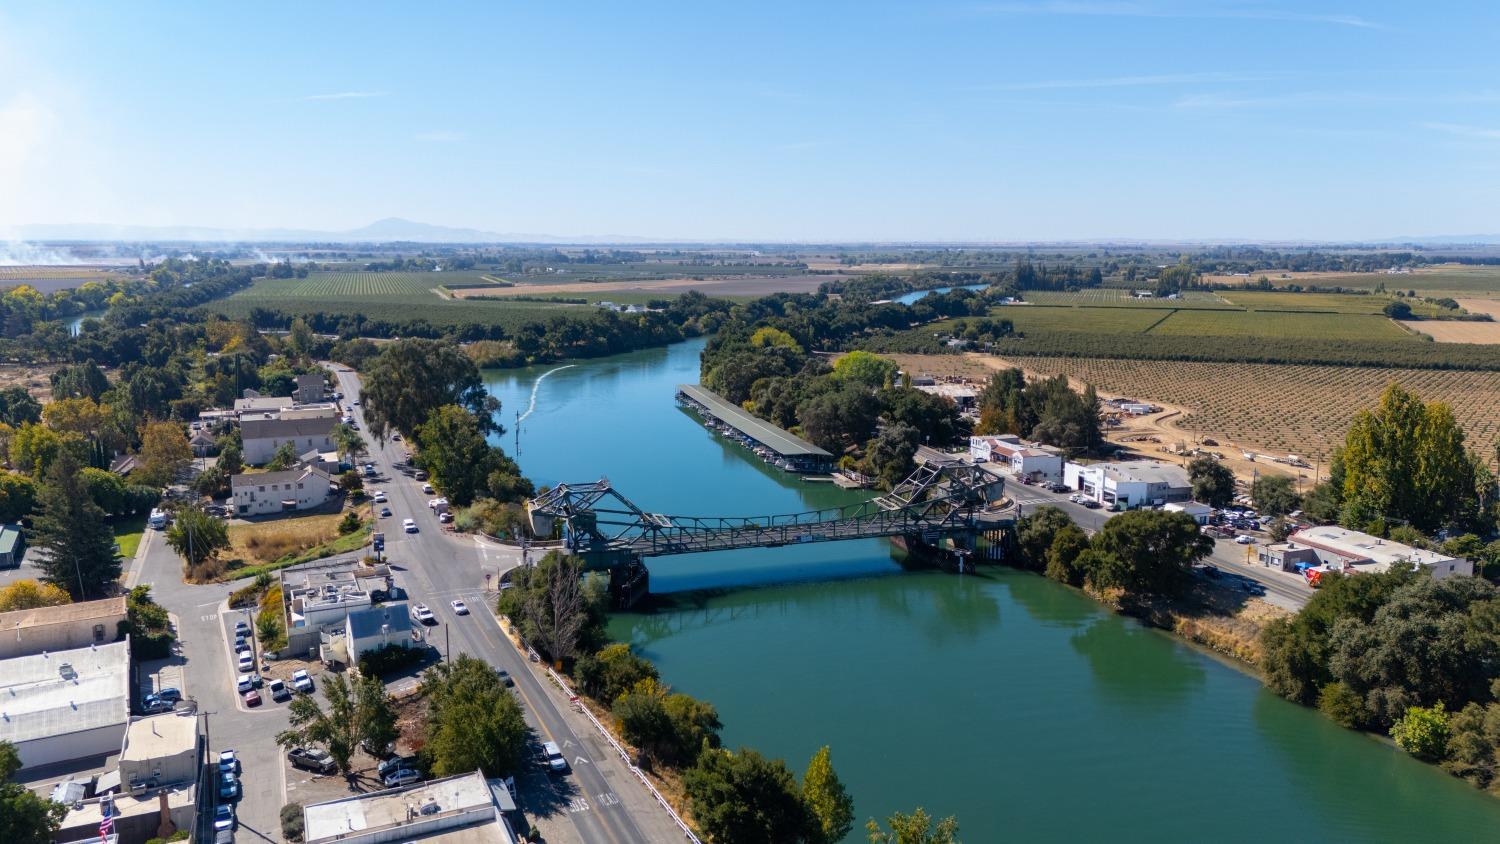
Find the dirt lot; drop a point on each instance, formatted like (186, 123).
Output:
(33, 378)
(1149, 436)
(724, 286)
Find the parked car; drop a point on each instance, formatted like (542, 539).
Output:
(554, 758)
(395, 763)
(1091, 504)
(459, 607)
(421, 475)
(1244, 539)
(409, 525)
(422, 615)
(241, 629)
(302, 681)
(279, 690)
(153, 705)
(229, 787)
(252, 698)
(1056, 487)
(445, 518)
(403, 776)
(427, 488)
(311, 759)
(382, 752)
(505, 677)
(379, 497)
(224, 819)
(245, 683)
(229, 763)
(245, 661)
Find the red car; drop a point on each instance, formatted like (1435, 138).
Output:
(252, 698)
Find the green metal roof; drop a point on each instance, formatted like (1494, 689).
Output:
(755, 428)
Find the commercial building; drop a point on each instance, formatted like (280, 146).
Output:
(158, 750)
(963, 395)
(1131, 484)
(254, 402)
(369, 630)
(265, 493)
(1351, 552)
(33, 631)
(263, 433)
(1027, 460)
(57, 706)
(151, 794)
(322, 601)
(466, 808)
(1199, 512)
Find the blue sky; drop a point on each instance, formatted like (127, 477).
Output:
(1030, 120)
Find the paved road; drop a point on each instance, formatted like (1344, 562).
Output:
(599, 800)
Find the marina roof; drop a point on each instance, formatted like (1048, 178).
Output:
(63, 692)
(763, 432)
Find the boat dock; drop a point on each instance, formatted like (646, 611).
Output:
(772, 444)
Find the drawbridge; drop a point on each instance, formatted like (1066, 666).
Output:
(609, 532)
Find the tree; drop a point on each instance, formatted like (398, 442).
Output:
(1068, 544)
(17, 496)
(832, 807)
(34, 448)
(454, 451)
(79, 381)
(611, 672)
(1273, 495)
(743, 797)
(472, 721)
(672, 728)
(937, 418)
(30, 594)
(78, 545)
(363, 712)
(164, 453)
(347, 440)
(866, 369)
(196, 536)
(285, 457)
(1406, 461)
(17, 407)
(412, 378)
(915, 828)
(556, 613)
(889, 455)
(25, 816)
(1213, 483)
(1397, 310)
(1035, 532)
(1423, 732)
(231, 457)
(1148, 551)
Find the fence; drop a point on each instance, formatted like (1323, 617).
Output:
(625, 755)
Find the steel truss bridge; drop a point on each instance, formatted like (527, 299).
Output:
(608, 531)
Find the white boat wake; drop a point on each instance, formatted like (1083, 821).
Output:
(531, 408)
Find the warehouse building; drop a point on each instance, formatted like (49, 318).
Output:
(1130, 484)
(33, 631)
(56, 706)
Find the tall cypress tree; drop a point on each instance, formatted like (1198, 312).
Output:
(70, 529)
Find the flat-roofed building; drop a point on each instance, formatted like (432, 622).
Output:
(1353, 552)
(1028, 460)
(25, 632)
(62, 705)
(158, 750)
(462, 810)
(137, 818)
(263, 433)
(260, 404)
(1129, 484)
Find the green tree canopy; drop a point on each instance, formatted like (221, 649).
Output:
(1213, 483)
(25, 816)
(452, 447)
(831, 806)
(743, 797)
(78, 545)
(915, 828)
(472, 721)
(1148, 551)
(1273, 495)
(196, 536)
(866, 369)
(412, 378)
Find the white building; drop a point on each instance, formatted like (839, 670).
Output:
(254, 402)
(1032, 460)
(1127, 485)
(1199, 512)
(369, 630)
(265, 493)
(429, 810)
(263, 433)
(1351, 552)
(62, 705)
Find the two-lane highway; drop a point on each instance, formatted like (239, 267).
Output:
(599, 797)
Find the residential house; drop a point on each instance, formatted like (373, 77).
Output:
(1026, 459)
(310, 388)
(266, 493)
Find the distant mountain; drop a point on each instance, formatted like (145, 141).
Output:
(381, 231)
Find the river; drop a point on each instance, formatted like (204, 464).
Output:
(1012, 702)
(908, 298)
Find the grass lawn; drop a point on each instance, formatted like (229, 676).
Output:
(128, 532)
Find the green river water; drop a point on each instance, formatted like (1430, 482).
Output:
(1010, 701)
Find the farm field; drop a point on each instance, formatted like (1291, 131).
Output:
(1313, 326)
(49, 279)
(741, 287)
(1280, 408)
(1453, 331)
(1444, 278)
(1079, 319)
(1122, 298)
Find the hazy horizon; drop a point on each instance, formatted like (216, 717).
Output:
(963, 122)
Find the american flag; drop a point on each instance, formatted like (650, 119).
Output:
(107, 822)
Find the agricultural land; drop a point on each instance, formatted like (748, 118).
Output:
(51, 279)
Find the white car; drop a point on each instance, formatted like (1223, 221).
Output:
(422, 615)
(434, 503)
(556, 762)
(427, 488)
(302, 681)
(244, 683)
(459, 607)
(379, 496)
(1244, 539)
(245, 662)
(409, 525)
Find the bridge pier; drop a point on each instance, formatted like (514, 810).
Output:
(629, 583)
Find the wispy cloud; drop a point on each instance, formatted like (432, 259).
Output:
(1149, 10)
(1464, 131)
(345, 95)
(1126, 81)
(442, 136)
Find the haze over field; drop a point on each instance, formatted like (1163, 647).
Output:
(952, 121)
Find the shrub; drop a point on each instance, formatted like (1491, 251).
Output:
(350, 523)
(1343, 705)
(385, 660)
(1423, 732)
(291, 822)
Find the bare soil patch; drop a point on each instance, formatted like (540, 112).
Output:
(1457, 331)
